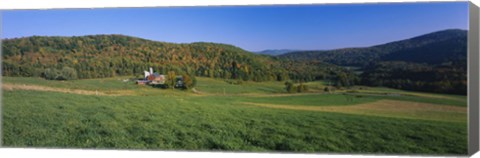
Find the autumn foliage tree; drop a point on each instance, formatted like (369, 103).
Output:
(100, 56)
(171, 79)
(188, 81)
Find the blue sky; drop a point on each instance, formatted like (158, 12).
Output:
(253, 28)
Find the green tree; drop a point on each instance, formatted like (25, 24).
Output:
(69, 73)
(290, 87)
(171, 79)
(302, 88)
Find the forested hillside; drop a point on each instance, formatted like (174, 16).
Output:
(435, 62)
(432, 48)
(99, 56)
(417, 77)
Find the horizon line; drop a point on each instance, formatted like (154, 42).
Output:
(295, 49)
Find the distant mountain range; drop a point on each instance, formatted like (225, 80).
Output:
(275, 52)
(433, 48)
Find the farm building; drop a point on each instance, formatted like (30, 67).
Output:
(156, 79)
(151, 78)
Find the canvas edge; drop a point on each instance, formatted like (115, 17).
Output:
(473, 80)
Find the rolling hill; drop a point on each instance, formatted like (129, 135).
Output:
(433, 48)
(434, 62)
(99, 56)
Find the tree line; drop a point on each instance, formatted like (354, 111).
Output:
(100, 56)
(417, 77)
(434, 62)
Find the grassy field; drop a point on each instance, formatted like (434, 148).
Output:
(214, 86)
(221, 116)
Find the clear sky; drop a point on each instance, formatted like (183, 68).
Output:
(253, 28)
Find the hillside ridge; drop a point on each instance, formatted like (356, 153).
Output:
(364, 55)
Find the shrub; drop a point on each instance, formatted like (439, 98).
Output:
(290, 87)
(188, 81)
(50, 74)
(67, 73)
(302, 88)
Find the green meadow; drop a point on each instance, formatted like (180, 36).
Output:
(216, 115)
